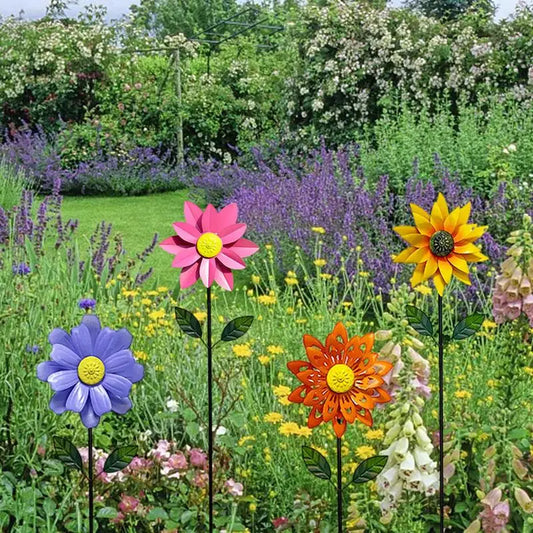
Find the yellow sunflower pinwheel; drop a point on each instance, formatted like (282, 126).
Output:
(441, 244)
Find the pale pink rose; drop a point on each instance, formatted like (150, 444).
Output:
(234, 488)
(200, 479)
(128, 504)
(118, 519)
(198, 458)
(161, 451)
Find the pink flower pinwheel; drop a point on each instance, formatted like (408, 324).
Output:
(209, 245)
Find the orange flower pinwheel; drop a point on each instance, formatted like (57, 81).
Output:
(440, 244)
(342, 380)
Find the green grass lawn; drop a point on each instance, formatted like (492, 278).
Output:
(136, 218)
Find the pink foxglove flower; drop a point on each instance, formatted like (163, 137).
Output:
(209, 245)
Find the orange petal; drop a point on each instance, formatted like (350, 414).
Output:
(381, 368)
(331, 407)
(317, 358)
(309, 340)
(450, 223)
(315, 396)
(423, 225)
(417, 210)
(365, 416)
(339, 426)
(366, 343)
(337, 338)
(439, 283)
(315, 418)
(296, 395)
(348, 408)
(458, 262)
(418, 273)
(416, 239)
(368, 382)
(445, 269)
(298, 366)
(404, 230)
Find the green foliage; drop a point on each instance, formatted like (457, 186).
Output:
(450, 9)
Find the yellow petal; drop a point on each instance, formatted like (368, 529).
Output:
(415, 239)
(445, 269)
(437, 219)
(443, 206)
(464, 214)
(462, 231)
(404, 230)
(439, 283)
(451, 221)
(461, 276)
(420, 255)
(416, 278)
(417, 210)
(458, 262)
(404, 254)
(466, 249)
(423, 225)
(475, 234)
(474, 258)
(431, 267)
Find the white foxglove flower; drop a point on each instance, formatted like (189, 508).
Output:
(400, 450)
(407, 466)
(388, 478)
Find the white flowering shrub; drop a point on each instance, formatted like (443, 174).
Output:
(357, 60)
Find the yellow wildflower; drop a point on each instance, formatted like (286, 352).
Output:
(141, 356)
(146, 301)
(264, 359)
(528, 370)
(318, 229)
(266, 299)
(374, 434)
(200, 315)
(275, 349)
(325, 276)
(291, 281)
(423, 289)
(319, 263)
(304, 431)
(289, 428)
(242, 350)
(463, 394)
(364, 452)
(281, 390)
(488, 324)
(246, 439)
(273, 418)
(256, 279)
(156, 315)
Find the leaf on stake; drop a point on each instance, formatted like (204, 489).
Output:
(316, 463)
(236, 328)
(369, 469)
(119, 459)
(188, 323)
(419, 321)
(68, 453)
(468, 326)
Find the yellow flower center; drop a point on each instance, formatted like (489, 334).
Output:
(209, 245)
(91, 370)
(340, 378)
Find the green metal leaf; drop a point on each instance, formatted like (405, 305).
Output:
(316, 463)
(419, 321)
(68, 453)
(369, 469)
(236, 328)
(120, 458)
(468, 326)
(188, 323)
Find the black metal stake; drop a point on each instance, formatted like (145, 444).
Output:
(441, 417)
(91, 495)
(339, 486)
(210, 408)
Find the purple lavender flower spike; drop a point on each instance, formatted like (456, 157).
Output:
(86, 304)
(91, 370)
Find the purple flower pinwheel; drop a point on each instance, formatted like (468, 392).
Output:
(91, 370)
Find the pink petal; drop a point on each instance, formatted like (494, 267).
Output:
(228, 215)
(192, 214)
(209, 220)
(232, 233)
(189, 275)
(244, 247)
(172, 245)
(187, 232)
(208, 268)
(224, 277)
(186, 257)
(230, 259)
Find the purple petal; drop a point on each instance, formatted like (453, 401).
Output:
(65, 357)
(88, 417)
(117, 385)
(119, 361)
(100, 400)
(60, 336)
(77, 398)
(120, 405)
(46, 368)
(110, 342)
(64, 379)
(58, 401)
(134, 372)
(81, 338)
(92, 323)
